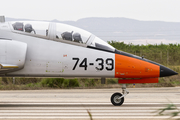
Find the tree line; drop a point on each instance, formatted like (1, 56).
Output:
(166, 54)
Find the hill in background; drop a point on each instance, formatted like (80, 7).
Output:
(127, 30)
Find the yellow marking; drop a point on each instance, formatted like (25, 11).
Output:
(10, 67)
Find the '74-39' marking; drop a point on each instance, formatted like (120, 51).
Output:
(100, 61)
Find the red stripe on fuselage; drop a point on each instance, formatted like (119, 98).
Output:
(143, 80)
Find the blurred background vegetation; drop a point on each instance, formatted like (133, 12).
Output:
(167, 55)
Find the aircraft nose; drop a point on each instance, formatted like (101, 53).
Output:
(164, 71)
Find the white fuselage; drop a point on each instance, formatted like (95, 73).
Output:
(48, 58)
(51, 58)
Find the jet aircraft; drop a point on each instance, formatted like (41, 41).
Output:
(47, 49)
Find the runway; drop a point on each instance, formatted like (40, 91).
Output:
(68, 104)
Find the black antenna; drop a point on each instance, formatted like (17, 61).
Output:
(142, 56)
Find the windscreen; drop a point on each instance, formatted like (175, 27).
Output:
(100, 44)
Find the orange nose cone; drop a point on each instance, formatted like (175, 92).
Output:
(129, 67)
(149, 70)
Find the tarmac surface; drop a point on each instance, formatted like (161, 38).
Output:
(68, 104)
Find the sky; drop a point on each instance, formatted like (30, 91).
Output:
(63, 10)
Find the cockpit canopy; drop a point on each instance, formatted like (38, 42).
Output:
(60, 32)
(70, 33)
(31, 27)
